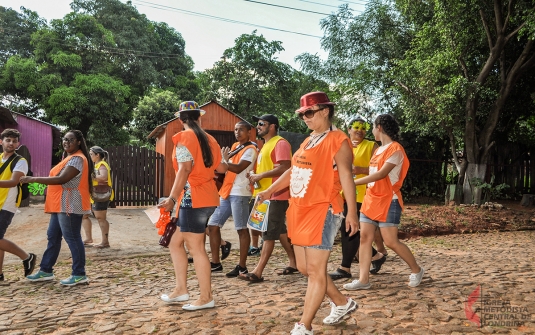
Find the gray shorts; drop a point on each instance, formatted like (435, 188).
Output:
(235, 205)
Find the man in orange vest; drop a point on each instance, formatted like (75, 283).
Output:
(12, 169)
(273, 160)
(235, 194)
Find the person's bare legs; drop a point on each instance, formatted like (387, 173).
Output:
(390, 236)
(104, 228)
(245, 240)
(180, 263)
(12, 248)
(285, 242)
(255, 237)
(267, 250)
(367, 232)
(313, 264)
(86, 225)
(195, 244)
(378, 239)
(215, 242)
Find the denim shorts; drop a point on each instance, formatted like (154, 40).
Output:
(100, 206)
(235, 205)
(392, 219)
(194, 220)
(330, 229)
(5, 221)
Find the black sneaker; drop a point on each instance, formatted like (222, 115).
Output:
(253, 251)
(216, 267)
(225, 250)
(29, 264)
(238, 270)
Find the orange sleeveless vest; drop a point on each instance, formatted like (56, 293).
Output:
(379, 196)
(224, 192)
(314, 185)
(55, 192)
(201, 179)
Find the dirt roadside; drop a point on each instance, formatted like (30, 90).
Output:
(131, 234)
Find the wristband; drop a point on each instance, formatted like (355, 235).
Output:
(174, 200)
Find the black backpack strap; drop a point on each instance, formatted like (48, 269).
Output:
(9, 160)
(15, 161)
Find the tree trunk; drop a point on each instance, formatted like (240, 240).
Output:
(472, 194)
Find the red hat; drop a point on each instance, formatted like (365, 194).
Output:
(314, 98)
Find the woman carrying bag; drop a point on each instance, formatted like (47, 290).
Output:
(197, 155)
(100, 201)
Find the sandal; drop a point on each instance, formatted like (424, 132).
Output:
(251, 278)
(101, 246)
(288, 271)
(88, 244)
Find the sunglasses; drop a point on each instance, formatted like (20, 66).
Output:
(309, 113)
(261, 124)
(360, 126)
(70, 140)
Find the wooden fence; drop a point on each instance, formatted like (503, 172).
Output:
(135, 176)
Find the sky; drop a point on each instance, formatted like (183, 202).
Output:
(205, 26)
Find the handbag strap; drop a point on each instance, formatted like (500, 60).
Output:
(239, 148)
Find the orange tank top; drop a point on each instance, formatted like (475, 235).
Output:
(201, 179)
(55, 192)
(314, 186)
(379, 195)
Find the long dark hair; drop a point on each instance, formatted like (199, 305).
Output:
(190, 118)
(80, 137)
(390, 126)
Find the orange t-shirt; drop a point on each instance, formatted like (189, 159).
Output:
(314, 185)
(379, 195)
(201, 179)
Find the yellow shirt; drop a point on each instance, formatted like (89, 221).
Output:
(361, 158)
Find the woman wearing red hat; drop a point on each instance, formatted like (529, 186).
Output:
(321, 168)
(194, 192)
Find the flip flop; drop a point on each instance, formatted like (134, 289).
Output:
(88, 244)
(288, 271)
(251, 278)
(100, 246)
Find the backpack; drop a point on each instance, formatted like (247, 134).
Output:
(23, 188)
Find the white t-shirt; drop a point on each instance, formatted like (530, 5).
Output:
(242, 186)
(397, 159)
(10, 204)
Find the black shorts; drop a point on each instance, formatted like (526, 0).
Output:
(100, 206)
(276, 220)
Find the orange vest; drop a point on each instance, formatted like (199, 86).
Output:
(314, 185)
(55, 192)
(201, 179)
(224, 192)
(379, 196)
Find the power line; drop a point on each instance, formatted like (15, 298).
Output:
(318, 3)
(187, 12)
(354, 2)
(286, 7)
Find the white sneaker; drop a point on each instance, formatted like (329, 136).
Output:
(338, 312)
(416, 278)
(356, 285)
(300, 329)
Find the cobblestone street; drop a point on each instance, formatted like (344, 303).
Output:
(123, 296)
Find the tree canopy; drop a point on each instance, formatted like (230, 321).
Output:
(88, 70)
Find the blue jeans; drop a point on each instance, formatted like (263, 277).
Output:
(330, 229)
(68, 226)
(393, 217)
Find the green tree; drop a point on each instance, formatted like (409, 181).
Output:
(88, 70)
(249, 80)
(155, 108)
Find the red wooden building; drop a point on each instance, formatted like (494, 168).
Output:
(218, 122)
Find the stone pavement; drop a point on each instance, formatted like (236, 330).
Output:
(123, 297)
